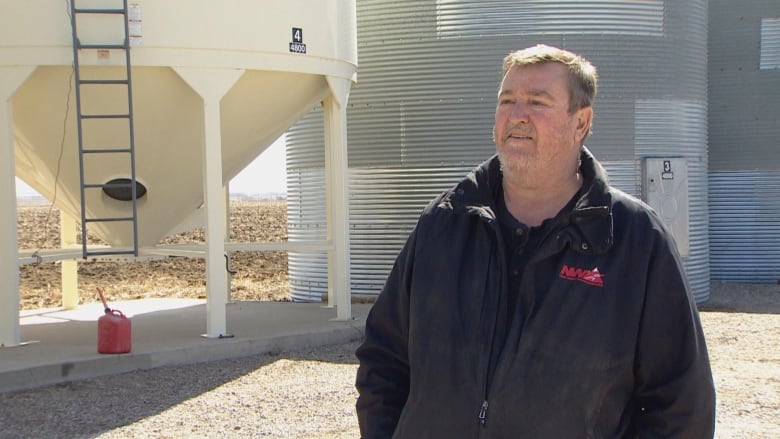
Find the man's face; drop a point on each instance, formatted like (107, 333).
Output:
(534, 133)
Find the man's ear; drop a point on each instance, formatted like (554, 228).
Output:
(584, 118)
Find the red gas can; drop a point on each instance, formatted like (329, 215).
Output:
(114, 333)
(114, 330)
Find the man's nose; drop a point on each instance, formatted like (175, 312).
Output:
(518, 112)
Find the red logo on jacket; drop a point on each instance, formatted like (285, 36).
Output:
(590, 277)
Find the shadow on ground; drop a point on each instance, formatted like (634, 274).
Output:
(745, 298)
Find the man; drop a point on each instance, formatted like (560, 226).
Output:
(533, 300)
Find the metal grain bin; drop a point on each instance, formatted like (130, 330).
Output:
(744, 120)
(421, 114)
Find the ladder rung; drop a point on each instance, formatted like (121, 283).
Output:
(98, 11)
(107, 185)
(102, 46)
(105, 116)
(107, 151)
(109, 252)
(108, 220)
(101, 186)
(103, 81)
(117, 185)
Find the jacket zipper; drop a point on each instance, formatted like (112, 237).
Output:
(482, 416)
(483, 413)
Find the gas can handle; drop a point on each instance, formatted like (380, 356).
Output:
(103, 299)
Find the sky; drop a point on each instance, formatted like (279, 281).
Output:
(267, 173)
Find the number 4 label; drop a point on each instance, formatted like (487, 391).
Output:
(296, 45)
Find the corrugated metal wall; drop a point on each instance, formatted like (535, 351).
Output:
(744, 99)
(421, 114)
(745, 226)
(744, 120)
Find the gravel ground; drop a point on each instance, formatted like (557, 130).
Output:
(289, 395)
(310, 394)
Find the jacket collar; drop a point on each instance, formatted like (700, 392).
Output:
(590, 220)
(592, 215)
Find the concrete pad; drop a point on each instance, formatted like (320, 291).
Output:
(61, 345)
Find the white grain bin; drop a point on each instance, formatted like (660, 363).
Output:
(275, 87)
(213, 79)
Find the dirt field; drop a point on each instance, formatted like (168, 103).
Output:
(741, 322)
(259, 275)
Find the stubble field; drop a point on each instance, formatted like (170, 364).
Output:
(259, 275)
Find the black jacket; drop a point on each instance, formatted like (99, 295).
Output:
(607, 343)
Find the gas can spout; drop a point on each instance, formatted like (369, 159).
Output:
(103, 299)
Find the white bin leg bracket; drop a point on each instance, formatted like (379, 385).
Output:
(10, 80)
(212, 85)
(336, 169)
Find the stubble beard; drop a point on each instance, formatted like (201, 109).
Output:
(520, 169)
(531, 170)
